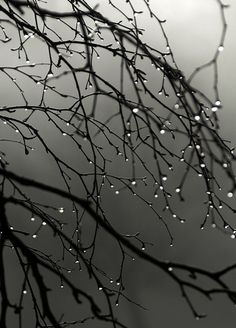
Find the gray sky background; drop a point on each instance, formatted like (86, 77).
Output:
(193, 28)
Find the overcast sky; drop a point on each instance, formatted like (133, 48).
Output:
(193, 28)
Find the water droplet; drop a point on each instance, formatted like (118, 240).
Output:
(230, 194)
(135, 110)
(61, 210)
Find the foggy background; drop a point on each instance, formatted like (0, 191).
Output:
(193, 28)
